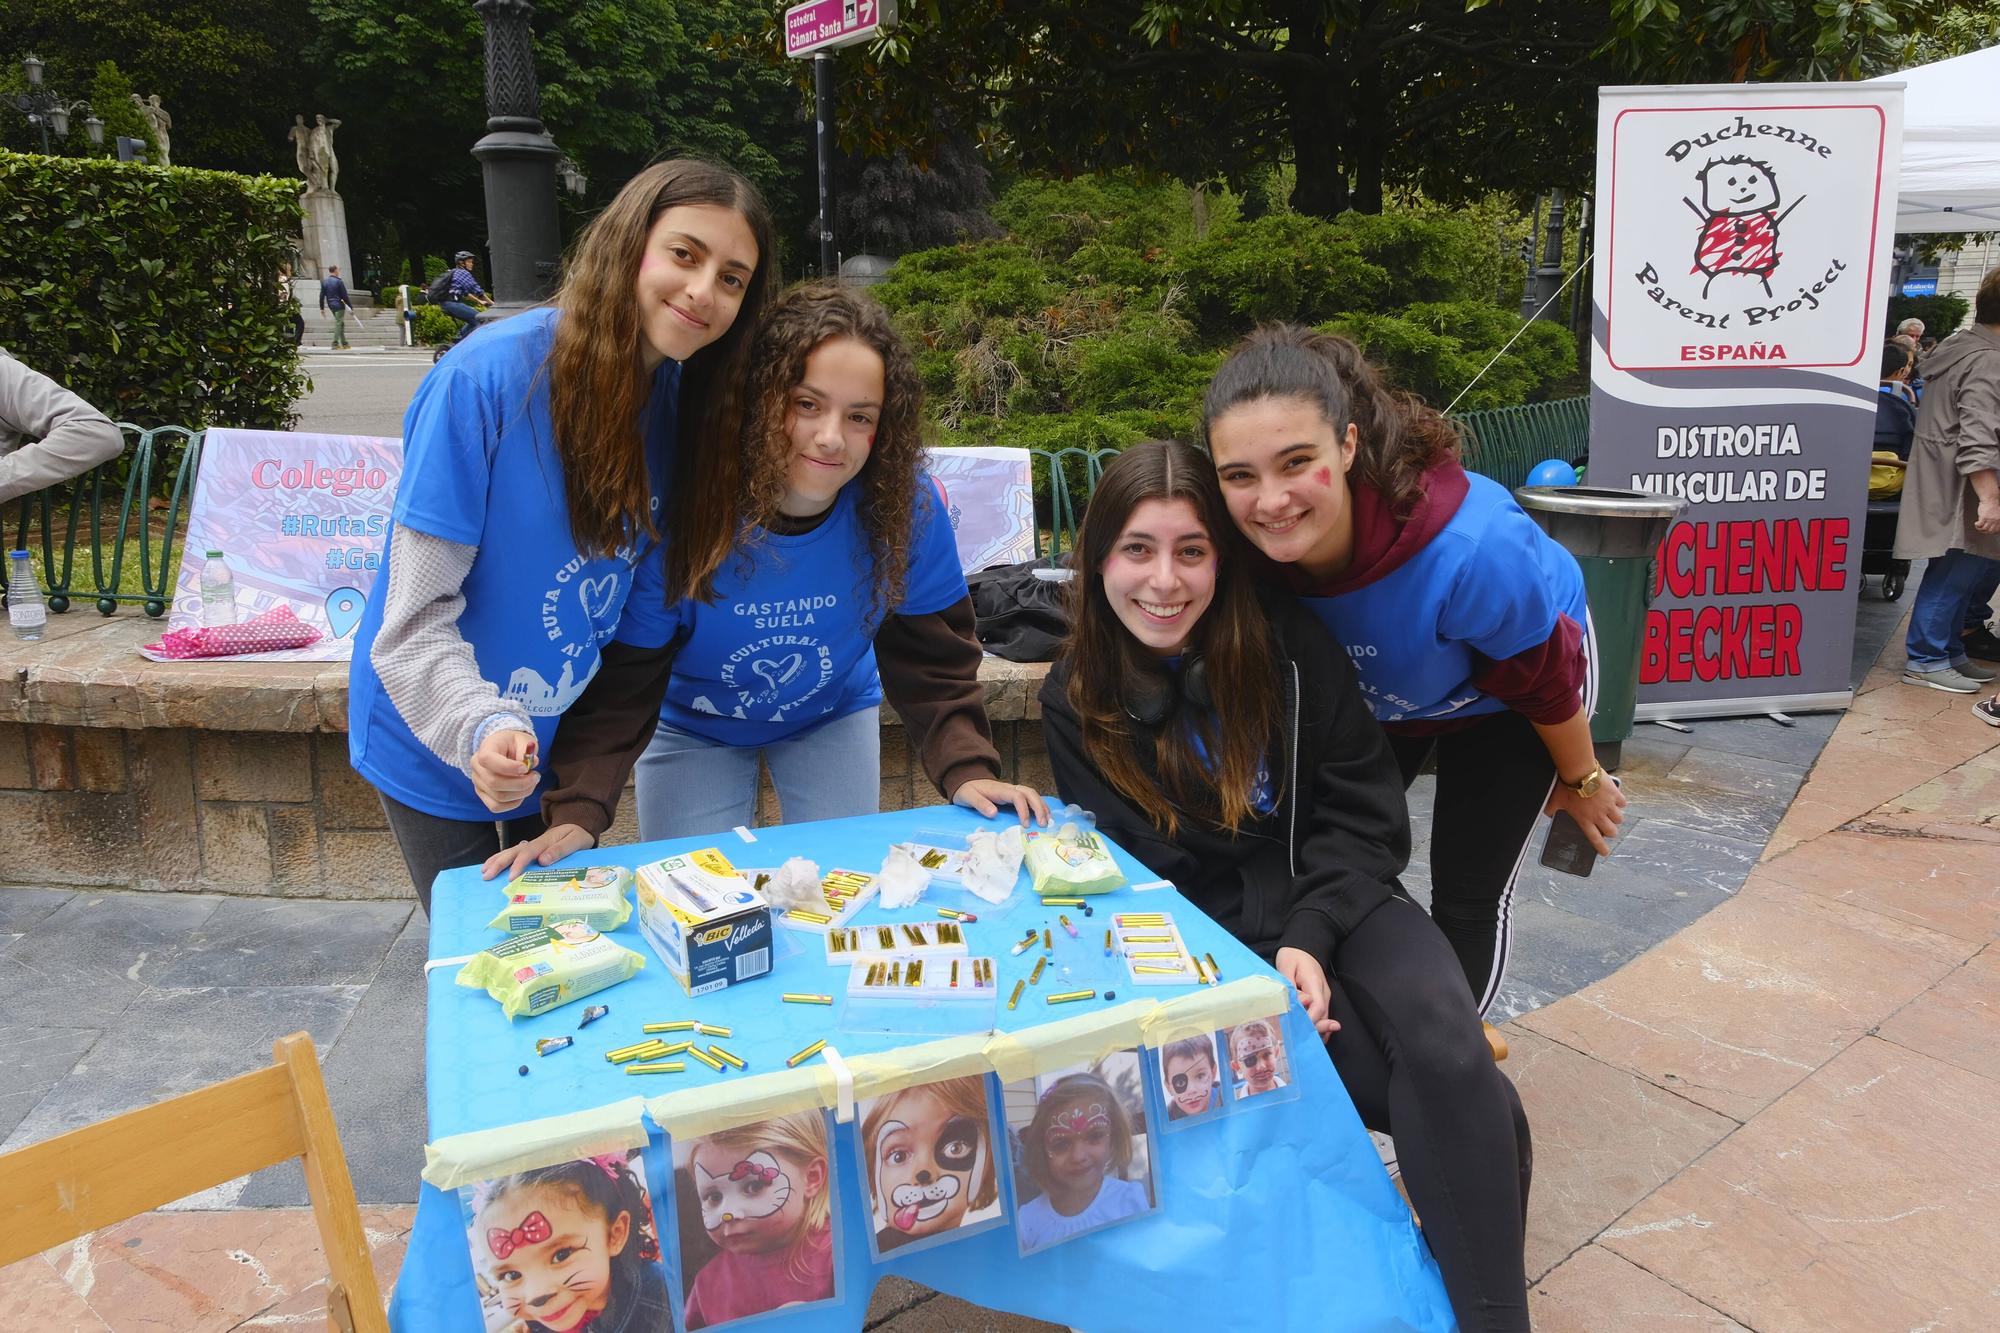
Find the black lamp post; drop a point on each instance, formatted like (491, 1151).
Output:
(45, 111)
(519, 159)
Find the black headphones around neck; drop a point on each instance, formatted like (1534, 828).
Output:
(1154, 694)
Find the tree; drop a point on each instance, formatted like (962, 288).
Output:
(891, 206)
(1668, 41)
(1359, 95)
(230, 71)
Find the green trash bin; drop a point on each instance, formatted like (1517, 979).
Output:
(1614, 534)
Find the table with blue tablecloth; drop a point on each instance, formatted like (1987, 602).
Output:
(1280, 1216)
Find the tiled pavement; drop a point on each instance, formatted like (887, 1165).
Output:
(1724, 1121)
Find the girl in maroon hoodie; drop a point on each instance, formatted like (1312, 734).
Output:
(1465, 622)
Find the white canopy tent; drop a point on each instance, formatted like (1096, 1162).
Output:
(1951, 145)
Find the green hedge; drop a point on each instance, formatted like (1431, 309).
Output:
(151, 292)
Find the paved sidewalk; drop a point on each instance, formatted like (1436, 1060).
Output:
(1724, 1114)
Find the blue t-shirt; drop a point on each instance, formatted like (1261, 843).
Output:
(789, 641)
(480, 468)
(1489, 585)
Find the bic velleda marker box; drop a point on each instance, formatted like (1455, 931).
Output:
(709, 927)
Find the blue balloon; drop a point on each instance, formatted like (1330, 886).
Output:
(1552, 472)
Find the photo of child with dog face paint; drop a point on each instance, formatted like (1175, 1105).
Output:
(755, 1208)
(929, 1151)
(1257, 1058)
(1190, 1076)
(568, 1247)
(1080, 1150)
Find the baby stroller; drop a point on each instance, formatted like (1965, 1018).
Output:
(1878, 529)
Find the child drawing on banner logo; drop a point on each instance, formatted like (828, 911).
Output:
(1077, 1151)
(568, 1247)
(930, 1161)
(762, 1195)
(1257, 1058)
(1190, 1077)
(1739, 221)
(843, 590)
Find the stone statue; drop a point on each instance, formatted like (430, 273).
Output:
(322, 147)
(159, 122)
(313, 145)
(301, 137)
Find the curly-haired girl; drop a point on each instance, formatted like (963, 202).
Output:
(844, 561)
(569, 1246)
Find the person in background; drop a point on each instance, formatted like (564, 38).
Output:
(1951, 507)
(1895, 405)
(47, 433)
(464, 298)
(333, 300)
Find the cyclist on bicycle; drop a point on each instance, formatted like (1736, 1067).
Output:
(460, 295)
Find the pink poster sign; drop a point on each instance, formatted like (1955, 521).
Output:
(301, 521)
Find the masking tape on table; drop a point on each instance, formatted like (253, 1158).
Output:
(843, 1086)
(885, 1072)
(693, 1112)
(1211, 1009)
(465, 1159)
(1082, 1040)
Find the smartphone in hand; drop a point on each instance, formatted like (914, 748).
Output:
(1567, 849)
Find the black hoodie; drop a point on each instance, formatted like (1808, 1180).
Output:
(1305, 875)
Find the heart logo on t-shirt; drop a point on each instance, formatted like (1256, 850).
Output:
(597, 595)
(779, 673)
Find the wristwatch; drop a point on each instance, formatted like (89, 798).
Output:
(1588, 787)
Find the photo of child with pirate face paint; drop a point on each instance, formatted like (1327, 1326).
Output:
(929, 1151)
(755, 1212)
(1257, 1058)
(568, 1247)
(1190, 1077)
(1081, 1150)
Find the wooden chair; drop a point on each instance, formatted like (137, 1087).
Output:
(75, 1183)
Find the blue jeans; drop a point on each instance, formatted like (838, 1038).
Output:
(466, 315)
(1979, 607)
(1944, 598)
(688, 784)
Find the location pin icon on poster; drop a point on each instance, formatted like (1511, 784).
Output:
(343, 610)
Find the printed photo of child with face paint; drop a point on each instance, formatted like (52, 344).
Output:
(1190, 1077)
(568, 1247)
(1081, 1150)
(929, 1150)
(755, 1207)
(1257, 1058)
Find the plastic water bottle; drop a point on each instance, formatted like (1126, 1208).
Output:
(27, 610)
(218, 592)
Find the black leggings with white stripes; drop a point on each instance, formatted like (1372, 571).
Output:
(1493, 778)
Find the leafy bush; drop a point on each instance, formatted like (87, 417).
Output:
(1434, 349)
(1941, 314)
(152, 293)
(432, 327)
(1098, 320)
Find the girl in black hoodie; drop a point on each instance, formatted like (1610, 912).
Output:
(1220, 737)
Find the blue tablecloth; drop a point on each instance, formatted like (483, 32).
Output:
(1278, 1217)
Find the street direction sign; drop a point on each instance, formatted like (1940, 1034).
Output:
(822, 25)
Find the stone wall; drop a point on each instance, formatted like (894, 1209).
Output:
(233, 777)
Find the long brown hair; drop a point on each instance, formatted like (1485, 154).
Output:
(597, 393)
(1400, 436)
(796, 323)
(1233, 638)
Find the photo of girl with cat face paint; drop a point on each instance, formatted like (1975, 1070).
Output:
(755, 1207)
(929, 1151)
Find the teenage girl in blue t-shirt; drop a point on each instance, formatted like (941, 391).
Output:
(845, 563)
(540, 474)
(1465, 623)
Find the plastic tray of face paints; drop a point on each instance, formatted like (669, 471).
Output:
(914, 978)
(918, 939)
(845, 892)
(1153, 951)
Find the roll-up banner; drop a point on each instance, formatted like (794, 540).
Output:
(1743, 238)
